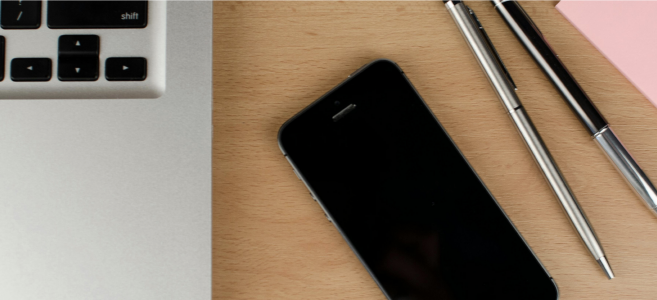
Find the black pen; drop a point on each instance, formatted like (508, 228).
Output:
(532, 38)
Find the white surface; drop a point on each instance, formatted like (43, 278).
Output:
(111, 199)
(148, 42)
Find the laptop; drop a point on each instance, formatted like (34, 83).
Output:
(105, 150)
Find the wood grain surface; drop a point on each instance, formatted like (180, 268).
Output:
(271, 59)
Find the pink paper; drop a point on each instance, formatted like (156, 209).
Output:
(623, 31)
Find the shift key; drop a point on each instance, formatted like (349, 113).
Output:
(97, 14)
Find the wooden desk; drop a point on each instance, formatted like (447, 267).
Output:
(271, 59)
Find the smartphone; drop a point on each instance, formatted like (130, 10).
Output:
(405, 199)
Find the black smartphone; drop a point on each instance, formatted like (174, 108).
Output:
(403, 196)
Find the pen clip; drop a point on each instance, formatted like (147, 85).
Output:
(490, 45)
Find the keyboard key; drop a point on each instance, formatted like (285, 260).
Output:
(97, 14)
(2, 58)
(20, 14)
(125, 68)
(77, 68)
(31, 69)
(78, 45)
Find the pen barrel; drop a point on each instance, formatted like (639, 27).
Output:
(484, 55)
(626, 165)
(506, 93)
(532, 39)
(556, 180)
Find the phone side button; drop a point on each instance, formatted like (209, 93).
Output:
(293, 168)
(324, 211)
(295, 173)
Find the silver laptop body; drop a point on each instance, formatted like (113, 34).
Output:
(105, 190)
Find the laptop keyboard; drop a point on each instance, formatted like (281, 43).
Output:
(82, 49)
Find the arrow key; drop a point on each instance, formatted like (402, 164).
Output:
(125, 68)
(78, 44)
(77, 68)
(31, 69)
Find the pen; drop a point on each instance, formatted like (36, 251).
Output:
(531, 37)
(499, 78)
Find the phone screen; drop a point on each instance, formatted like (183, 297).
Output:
(405, 198)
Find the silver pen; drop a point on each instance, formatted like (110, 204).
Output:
(499, 78)
(532, 38)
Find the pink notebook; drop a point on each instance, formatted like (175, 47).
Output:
(623, 31)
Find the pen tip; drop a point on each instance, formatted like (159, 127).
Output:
(604, 264)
